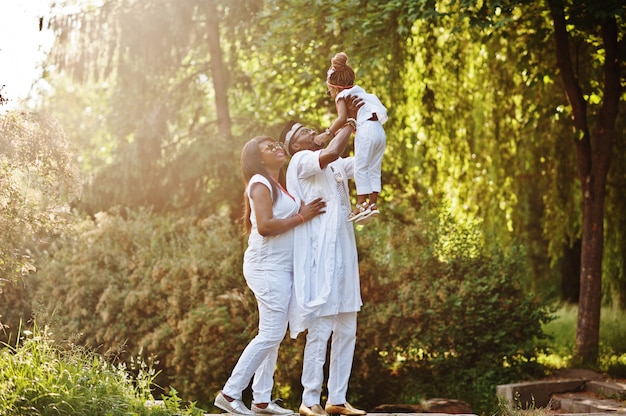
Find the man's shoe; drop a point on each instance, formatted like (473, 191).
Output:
(315, 410)
(236, 407)
(272, 409)
(344, 409)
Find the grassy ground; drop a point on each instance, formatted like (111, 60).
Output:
(39, 376)
(562, 332)
(612, 355)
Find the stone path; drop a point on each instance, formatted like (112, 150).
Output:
(571, 392)
(567, 393)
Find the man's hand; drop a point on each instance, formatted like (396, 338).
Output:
(321, 139)
(353, 103)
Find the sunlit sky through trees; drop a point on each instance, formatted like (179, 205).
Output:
(22, 46)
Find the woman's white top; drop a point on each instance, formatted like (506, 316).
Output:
(272, 252)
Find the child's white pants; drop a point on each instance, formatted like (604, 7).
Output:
(369, 148)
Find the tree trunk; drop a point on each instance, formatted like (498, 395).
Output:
(218, 72)
(593, 166)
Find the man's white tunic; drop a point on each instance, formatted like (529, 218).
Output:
(326, 269)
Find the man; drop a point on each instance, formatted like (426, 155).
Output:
(326, 293)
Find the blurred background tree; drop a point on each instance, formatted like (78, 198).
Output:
(38, 180)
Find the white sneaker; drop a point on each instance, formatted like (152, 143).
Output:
(236, 407)
(272, 409)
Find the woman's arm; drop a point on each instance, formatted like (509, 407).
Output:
(263, 210)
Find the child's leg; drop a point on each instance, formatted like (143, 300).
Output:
(373, 197)
(361, 167)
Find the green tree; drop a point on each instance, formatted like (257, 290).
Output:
(477, 111)
(594, 94)
(161, 68)
(38, 181)
(593, 85)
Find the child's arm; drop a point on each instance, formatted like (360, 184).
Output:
(340, 121)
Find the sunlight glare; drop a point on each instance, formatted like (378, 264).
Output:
(22, 47)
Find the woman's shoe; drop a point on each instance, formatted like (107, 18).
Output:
(236, 407)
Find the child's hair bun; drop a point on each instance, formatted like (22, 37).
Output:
(340, 61)
(340, 72)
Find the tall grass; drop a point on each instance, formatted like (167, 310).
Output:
(612, 348)
(41, 377)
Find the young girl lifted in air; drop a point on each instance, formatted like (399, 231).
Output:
(369, 141)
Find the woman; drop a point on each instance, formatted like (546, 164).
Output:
(270, 216)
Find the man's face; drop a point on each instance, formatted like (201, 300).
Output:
(303, 140)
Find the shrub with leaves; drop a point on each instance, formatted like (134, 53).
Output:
(441, 317)
(41, 377)
(167, 286)
(38, 179)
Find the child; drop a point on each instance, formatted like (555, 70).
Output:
(370, 139)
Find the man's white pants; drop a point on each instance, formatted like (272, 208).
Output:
(343, 329)
(272, 290)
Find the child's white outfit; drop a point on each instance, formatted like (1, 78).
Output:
(369, 142)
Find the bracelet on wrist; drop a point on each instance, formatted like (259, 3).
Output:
(330, 133)
(351, 122)
(301, 217)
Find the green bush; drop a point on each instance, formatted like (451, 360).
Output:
(441, 317)
(39, 376)
(38, 179)
(169, 287)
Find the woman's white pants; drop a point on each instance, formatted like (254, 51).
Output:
(272, 290)
(343, 329)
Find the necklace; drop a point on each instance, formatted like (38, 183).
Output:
(283, 189)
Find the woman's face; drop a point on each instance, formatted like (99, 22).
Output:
(272, 153)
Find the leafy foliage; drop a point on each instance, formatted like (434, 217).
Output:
(152, 71)
(41, 377)
(477, 113)
(170, 287)
(436, 322)
(38, 180)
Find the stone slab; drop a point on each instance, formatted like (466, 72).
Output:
(535, 394)
(580, 403)
(382, 414)
(589, 414)
(607, 388)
